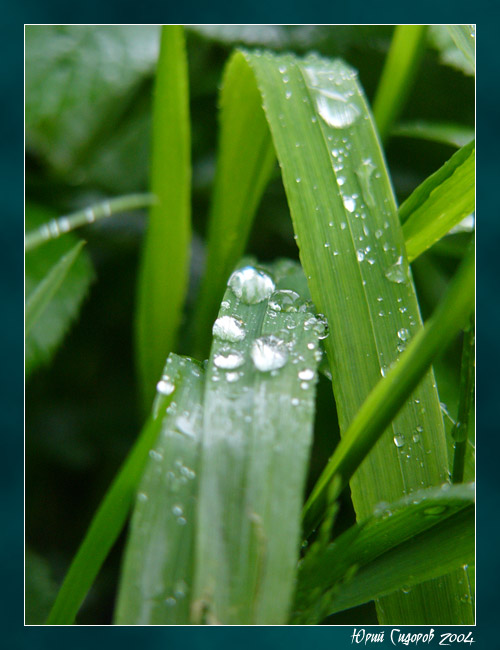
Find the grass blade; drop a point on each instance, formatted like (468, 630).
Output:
(57, 227)
(258, 419)
(465, 39)
(39, 299)
(440, 202)
(455, 135)
(339, 178)
(156, 579)
(467, 376)
(327, 571)
(391, 392)
(164, 266)
(245, 161)
(399, 71)
(407, 565)
(111, 515)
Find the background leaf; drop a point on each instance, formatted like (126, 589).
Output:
(50, 328)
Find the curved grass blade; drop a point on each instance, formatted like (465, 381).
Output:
(400, 68)
(164, 265)
(391, 525)
(111, 515)
(352, 250)
(391, 392)
(414, 561)
(156, 580)
(245, 161)
(57, 227)
(440, 202)
(464, 37)
(455, 135)
(258, 420)
(41, 296)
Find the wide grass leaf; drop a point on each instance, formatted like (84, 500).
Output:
(164, 266)
(57, 279)
(353, 252)
(156, 580)
(329, 571)
(258, 420)
(440, 202)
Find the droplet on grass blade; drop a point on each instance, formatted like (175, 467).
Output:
(269, 353)
(229, 329)
(251, 285)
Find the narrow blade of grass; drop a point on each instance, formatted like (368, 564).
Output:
(456, 135)
(352, 250)
(399, 72)
(440, 202)
(465, 39)
(258, 419)
(156, 580)
(460, 430)
(164, 268)
(391, 525)
(39, 299)
(391, 392)
(57, 227)
(245, 161)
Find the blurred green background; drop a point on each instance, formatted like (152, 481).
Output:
(88, 117)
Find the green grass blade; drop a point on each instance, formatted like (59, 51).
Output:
(465, 39)
(455, 135)
(156, 580)
(112, 513)
(398, 74)
(440, 202)
(164, 266)
(244, 164)
(391, 392)
(57, 227)
(352, 250)
(460, 430)
(323, 571)
(407, 565)
(39, 299)
(258, 419)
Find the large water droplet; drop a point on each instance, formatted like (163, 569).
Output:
(229, 328)
(403, 334)
(399, 440)
(269, 353)
(335, 107)
(396, 272)
(250, 285)
(229, 360)
(165, 386)
(349, 203)
(307, 374)
(285, 300)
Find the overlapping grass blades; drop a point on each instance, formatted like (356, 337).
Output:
(440, 202)
(352, 250)
(165, 261)
(258, 417)
(334, 572)
(157, 575)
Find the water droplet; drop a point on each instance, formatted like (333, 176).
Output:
(434, 511)
(285, 301)
(360, 255)
(178, 510)
(142, 497)
(399, 440)
(181, 521)
(396, 272)
(269, 353)
(364, 173)
(228, 360)
(403, 334)
(229, 328)
(250, 285)
(307, 374)
(170, 602)
(295, 401)
(165, 386)
(298, 179)
(349, 203)
(340, 180)
(406, 589)
(343, 225)
(378, 234)
(185, 425)
(155, 455)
